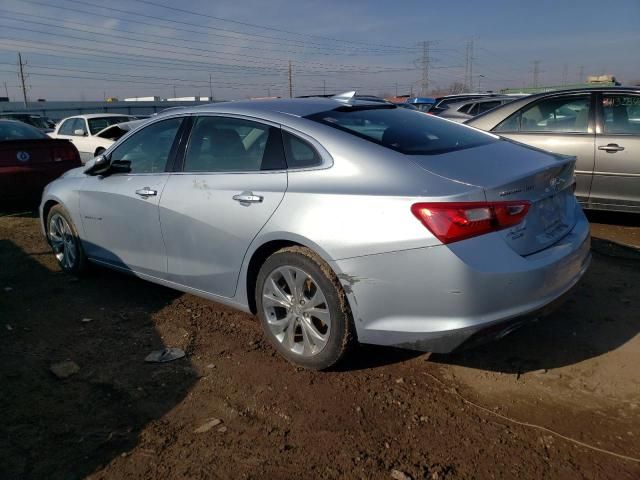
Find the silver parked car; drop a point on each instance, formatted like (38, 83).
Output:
(333, 221)
(600, 126)
(465, 110)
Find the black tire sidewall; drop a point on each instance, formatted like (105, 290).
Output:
(80, 265)
(340, 320)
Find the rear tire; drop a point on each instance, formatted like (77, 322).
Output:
(303, 309)
(65, 242)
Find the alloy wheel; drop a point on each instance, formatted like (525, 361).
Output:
(296, 310)
(63, 241)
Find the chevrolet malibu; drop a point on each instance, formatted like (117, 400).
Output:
(335, 221)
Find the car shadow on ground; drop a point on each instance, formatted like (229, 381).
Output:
(69, 427)
(599, 316)
(613, 218)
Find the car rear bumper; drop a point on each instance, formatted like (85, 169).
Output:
(29, 181)
(437, 298)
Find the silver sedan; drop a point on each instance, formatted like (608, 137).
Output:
(600, 126)
(332, 220)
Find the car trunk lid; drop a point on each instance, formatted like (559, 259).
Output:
(509, 172)
(26, 153)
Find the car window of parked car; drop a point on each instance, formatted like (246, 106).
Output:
(299, 152)
(222, 144)
(97, 124)
(147, 151)
(621, 113)
(67, 127)
(10, 130)
(486, 106)
(558, 114)
(411, 133)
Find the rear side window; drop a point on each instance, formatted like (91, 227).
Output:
(557, 114)
(621, 114)
(407, 132)
(486, 106)
(300, 153)
(222, 144)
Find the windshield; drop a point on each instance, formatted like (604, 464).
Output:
(402, 130)
(19, 131)
(97, 124)
(35, 120)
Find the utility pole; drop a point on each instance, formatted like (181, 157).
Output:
(396, 89)
(6, 90)
(468, 65)
(210, 88)
(565, 73)
(581, 74)
(24, 87)
(536, 72)
(290, 81)
(425, 63)
(324, 87)
(174, 92)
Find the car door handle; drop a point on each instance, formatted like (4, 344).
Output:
(146, 192)
(611, 148)
(248, 197)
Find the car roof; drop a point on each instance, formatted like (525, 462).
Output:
(295, 107)
(585, 90)
(99, 115)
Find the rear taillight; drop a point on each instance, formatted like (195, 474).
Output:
(64, 154)
(451, 222)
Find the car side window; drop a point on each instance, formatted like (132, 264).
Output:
(79, 124)
(486, 106)
(67, 127)
(299, 152)
(148, 150)
(621, 113)
(223, 144)
(553, 115)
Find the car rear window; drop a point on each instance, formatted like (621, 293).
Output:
(402, 130)
(19, 131)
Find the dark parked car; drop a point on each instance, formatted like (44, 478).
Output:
(29, 160)
(41, 123)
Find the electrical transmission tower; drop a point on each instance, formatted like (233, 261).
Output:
(425, 65)
(468, 66)
(565, 73)
(581, 74)
(536, 73)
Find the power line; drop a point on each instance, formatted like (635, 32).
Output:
(200, 14)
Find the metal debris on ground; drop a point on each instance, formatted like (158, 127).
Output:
(205, 427)
(166, 355)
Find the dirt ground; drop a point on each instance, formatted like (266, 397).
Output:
(384, 414)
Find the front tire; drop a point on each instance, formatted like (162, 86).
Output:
(65, 242)
(303, 309)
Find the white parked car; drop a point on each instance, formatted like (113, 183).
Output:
(91, 134)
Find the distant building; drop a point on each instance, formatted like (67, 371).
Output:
(112, 99)
(190, 99)
(143, 99)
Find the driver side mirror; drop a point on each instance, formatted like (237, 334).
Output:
(79, 132)
(102, 165)
(98, 166)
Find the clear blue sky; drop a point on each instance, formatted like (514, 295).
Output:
(86, 49)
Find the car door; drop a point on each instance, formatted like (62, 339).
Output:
(233, 177)
(120, 211)
(616, 177)
(560, 124)
(83, 141)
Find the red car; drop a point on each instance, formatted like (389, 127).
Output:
(29, 160)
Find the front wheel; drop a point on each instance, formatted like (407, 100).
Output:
(303, 309)
(65, 242)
